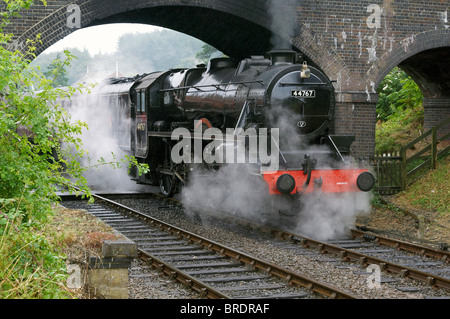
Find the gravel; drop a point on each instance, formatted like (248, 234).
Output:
(145, 282)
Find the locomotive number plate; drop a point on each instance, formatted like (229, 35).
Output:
(303, 93)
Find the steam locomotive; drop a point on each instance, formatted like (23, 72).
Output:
(276, 93)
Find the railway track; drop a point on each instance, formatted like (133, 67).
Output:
(208, 267)
(420, 263)
(393, 257)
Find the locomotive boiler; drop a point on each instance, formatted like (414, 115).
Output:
(277, 91)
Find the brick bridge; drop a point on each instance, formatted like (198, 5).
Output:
(355, 43)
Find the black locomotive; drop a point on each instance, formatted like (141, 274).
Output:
(257, 94)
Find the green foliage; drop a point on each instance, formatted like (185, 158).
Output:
(74, 72)
(397, 92)
(32, 128)
(34, 166)
(207, 53)
(57, 71)
(399, 111)
(29, 266)
(136, 54)
(156, 51)
(400, 129)
(432, 193)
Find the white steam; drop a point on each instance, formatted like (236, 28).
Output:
(102, 146)
(331, 216)
(230, 190)
(284, 21)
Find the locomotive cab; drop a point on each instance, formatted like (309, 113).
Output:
(149, 112)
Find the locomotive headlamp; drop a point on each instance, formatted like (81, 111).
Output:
(285, 184)
(365, 181)
(305, 73)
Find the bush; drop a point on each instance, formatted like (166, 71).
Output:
(397, 93)
(32, 126)
(400, 129)
(34, 167)
(399, 112)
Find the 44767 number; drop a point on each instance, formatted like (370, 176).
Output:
(303, 93)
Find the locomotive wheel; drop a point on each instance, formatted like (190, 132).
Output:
(167, 182)
(167, 185)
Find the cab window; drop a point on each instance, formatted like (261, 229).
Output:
(142, 101)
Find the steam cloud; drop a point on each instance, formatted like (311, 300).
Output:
(101, 145)
(284, 21)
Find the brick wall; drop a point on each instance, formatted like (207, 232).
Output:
(355, 115)
(356, 43)
(436, 111)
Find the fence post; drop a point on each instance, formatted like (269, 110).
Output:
(434, 147)
(403, 169)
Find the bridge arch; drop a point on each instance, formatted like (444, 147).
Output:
(237, 28)
(419, 56)
(424, 57)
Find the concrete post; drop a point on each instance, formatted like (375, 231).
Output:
(108, 275)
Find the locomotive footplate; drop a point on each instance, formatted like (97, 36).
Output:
(290, 182)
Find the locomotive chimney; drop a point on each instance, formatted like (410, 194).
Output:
(283, 57)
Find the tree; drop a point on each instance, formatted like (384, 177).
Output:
(397, 92)
(33, 126)
(207, 53)
(59, 74)
(399, 111)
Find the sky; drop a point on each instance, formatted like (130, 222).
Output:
(99, 39)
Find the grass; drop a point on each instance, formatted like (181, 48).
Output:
(399, 130)
(29, 267)
(431, 194)
(428, 197)
(34, 260)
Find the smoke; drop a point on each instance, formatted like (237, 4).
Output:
(101, 144)
(284, 22)
(232, 190)
(331, 216)
(286, 120)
